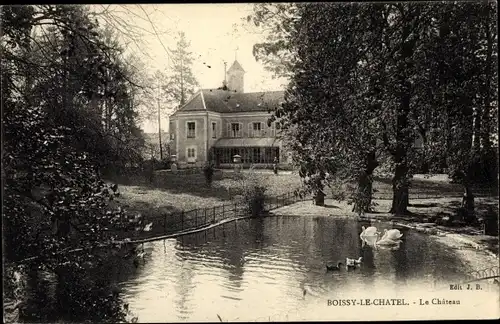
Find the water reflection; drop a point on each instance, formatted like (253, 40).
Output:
(234, 270)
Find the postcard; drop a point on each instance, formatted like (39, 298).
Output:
(250, 162)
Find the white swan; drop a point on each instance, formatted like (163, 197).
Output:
(370, 231)
(369, 235)
(393, 234)
(388, 241)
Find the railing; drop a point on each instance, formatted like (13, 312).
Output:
(434, 194)
(417, 194)
(483, 274)
(282, 200)
(182, 221)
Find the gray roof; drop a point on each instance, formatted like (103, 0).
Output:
(226, 101)
(236, 67)
(248, 142)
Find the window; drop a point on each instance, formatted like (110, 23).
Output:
(256, 156)
(257, 129)
(191, 152)
(235, 130)
(214, 130)
(172, 136)
(191, 129)
(272, 130)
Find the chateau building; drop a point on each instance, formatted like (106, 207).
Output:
(217, 124)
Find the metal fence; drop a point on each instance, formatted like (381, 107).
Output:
(434, 194)
(483, 274)
(170, 223)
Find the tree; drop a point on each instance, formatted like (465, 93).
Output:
(464, 67)
(383, 89)
(52, 81)
(182, 82)
(330, 95)
(88, 84)
(276, 23)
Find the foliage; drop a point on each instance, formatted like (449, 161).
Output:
(75, 71)
(276, 22)
(465, 59)
(321, 96)
(253, 192)
(182, 82)
(208, 172)
(67, 101)
(372, 94)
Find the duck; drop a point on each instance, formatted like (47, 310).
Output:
(355, 261)
(352, 263)
(333, 267)
(393, 234)
(148, 227)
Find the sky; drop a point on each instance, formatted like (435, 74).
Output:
(217, 33)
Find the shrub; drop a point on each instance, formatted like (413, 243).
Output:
(208, 172)
(253, 193)
(255, 198)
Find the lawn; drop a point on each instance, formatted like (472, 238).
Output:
(169, 193)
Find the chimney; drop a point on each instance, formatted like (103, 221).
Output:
(224, 83)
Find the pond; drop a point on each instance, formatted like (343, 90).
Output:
(267, 264)
(272, 268)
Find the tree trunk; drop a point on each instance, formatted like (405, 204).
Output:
(424, 161)
(485, 138)
(404, 136)
(363, 199)
(319, 198)
(476, 146)
(468, 204)
(400, 185)
(365, 185)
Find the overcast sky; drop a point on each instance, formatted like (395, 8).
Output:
(215, 32)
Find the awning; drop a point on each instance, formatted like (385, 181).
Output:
(248, 142)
